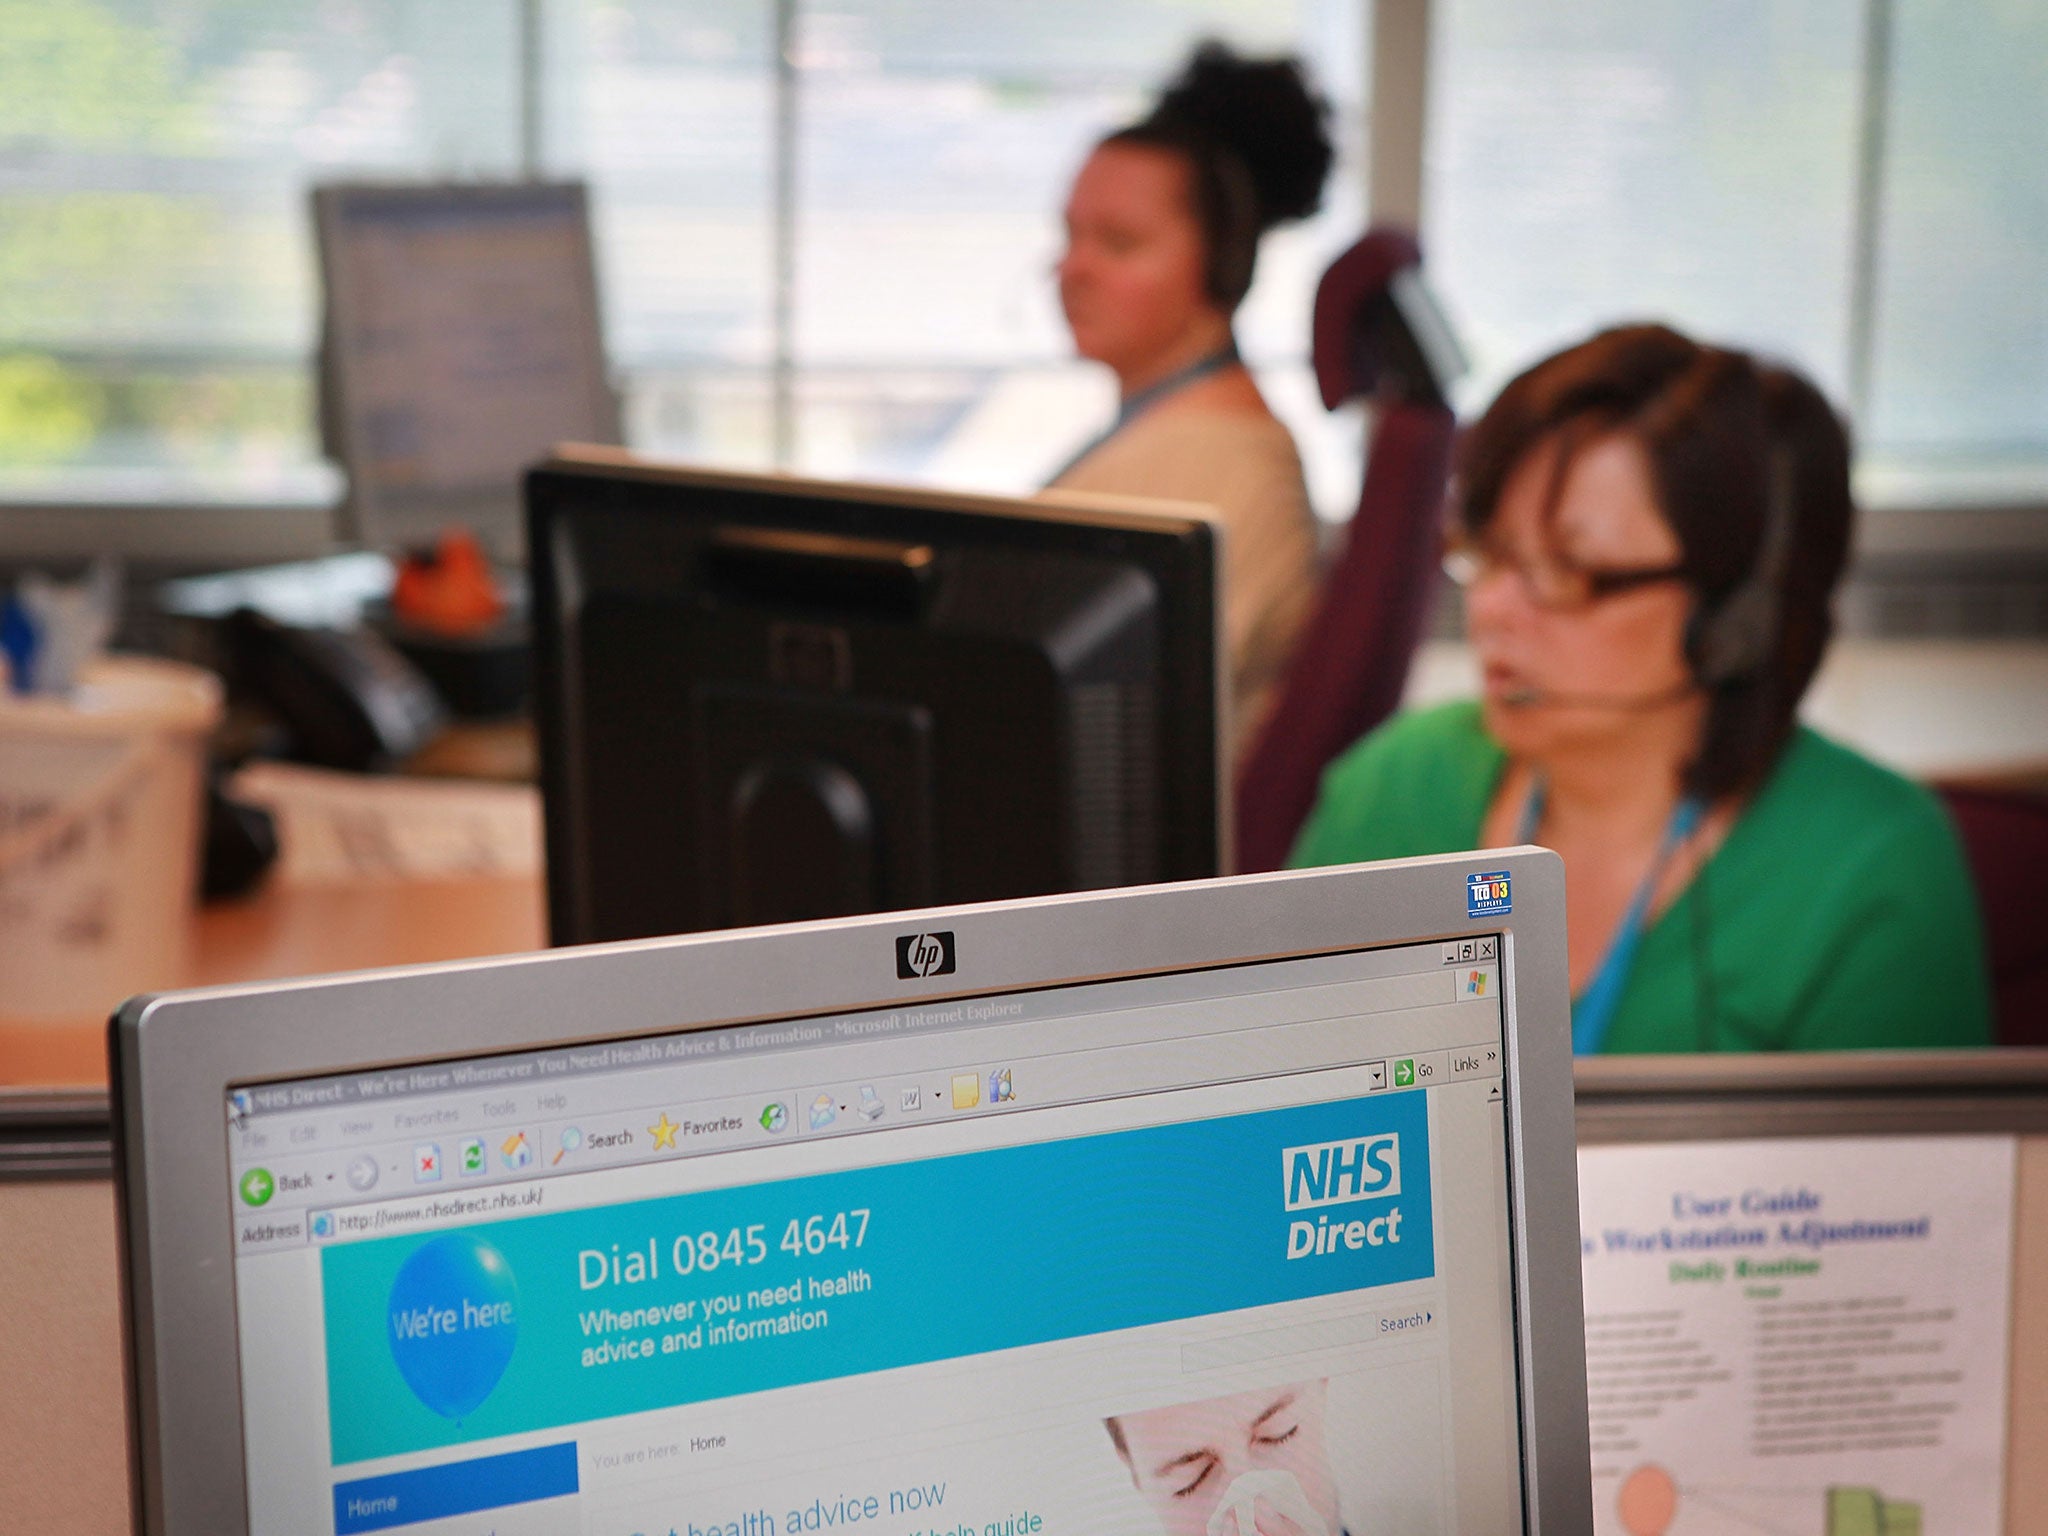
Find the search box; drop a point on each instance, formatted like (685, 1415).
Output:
(1325, 1333)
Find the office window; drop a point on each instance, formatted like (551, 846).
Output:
(1960, 352)
(158, 304)
(156, 298)
(1624, 158)
(667, 108)
(1713, 166)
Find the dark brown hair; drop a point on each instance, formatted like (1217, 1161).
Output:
(1255, 141)
(1718, 426)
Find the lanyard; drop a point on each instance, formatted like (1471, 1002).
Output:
(1594, 1009)
(1150, 396)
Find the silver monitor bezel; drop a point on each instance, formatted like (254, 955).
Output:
(174, 1056)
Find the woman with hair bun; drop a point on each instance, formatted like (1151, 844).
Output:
(1163, 228)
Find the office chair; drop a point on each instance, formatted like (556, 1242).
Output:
(1379, 335)
(2005, 837)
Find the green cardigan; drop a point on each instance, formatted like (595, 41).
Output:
(1837, 914)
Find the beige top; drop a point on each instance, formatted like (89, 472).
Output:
(1243, 464)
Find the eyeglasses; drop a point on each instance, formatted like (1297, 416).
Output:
(1552, 583)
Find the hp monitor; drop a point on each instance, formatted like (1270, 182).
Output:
(763, 699)
(1213, 1208)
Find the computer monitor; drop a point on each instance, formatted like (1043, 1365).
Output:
(1191, 1209)
(1817, 1292)
(764, 699)
(460, 342)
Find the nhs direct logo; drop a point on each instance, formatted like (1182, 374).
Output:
(1339, 1172)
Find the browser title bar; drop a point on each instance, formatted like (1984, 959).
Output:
(1422, 962)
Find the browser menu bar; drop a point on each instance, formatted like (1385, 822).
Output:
(443, 1155)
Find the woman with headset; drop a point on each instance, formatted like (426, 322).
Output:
(1649, 533)
(1163, 226)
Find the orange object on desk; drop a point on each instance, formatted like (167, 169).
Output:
(451, 590)
(305, 931)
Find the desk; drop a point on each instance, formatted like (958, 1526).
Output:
(1928, 708)
(302, 931)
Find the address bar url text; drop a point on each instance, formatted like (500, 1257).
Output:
(367, 1221)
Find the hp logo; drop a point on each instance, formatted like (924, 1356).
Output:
(924, 954)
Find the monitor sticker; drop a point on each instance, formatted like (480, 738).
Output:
(1489, 895)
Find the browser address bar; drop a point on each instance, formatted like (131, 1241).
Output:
(413, 1212)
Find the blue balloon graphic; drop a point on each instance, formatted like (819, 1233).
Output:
(453, 1321)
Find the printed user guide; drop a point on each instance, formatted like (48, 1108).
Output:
(1800, 1336)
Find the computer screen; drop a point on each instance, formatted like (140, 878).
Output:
(461, 342)
(1159, 1256)
(1816, 1292)
(772, 700)
(1110, 1213)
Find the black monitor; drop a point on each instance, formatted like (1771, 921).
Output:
(763, 699)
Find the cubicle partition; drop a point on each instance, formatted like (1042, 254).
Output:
(63, 1429)
(1863, 1351)
(1817, 1292)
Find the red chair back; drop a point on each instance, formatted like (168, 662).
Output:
(1350, 664)
(2005, 837)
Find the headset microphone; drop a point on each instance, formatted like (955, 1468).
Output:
(1527, 697)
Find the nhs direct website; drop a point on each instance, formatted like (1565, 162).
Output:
(1214, 1253)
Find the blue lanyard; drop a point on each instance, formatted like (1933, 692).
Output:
(1593, 1010)
(1151, 395)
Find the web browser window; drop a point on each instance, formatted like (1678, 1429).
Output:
(1215, 1253)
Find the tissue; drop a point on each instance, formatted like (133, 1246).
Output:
(1236, 1516)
